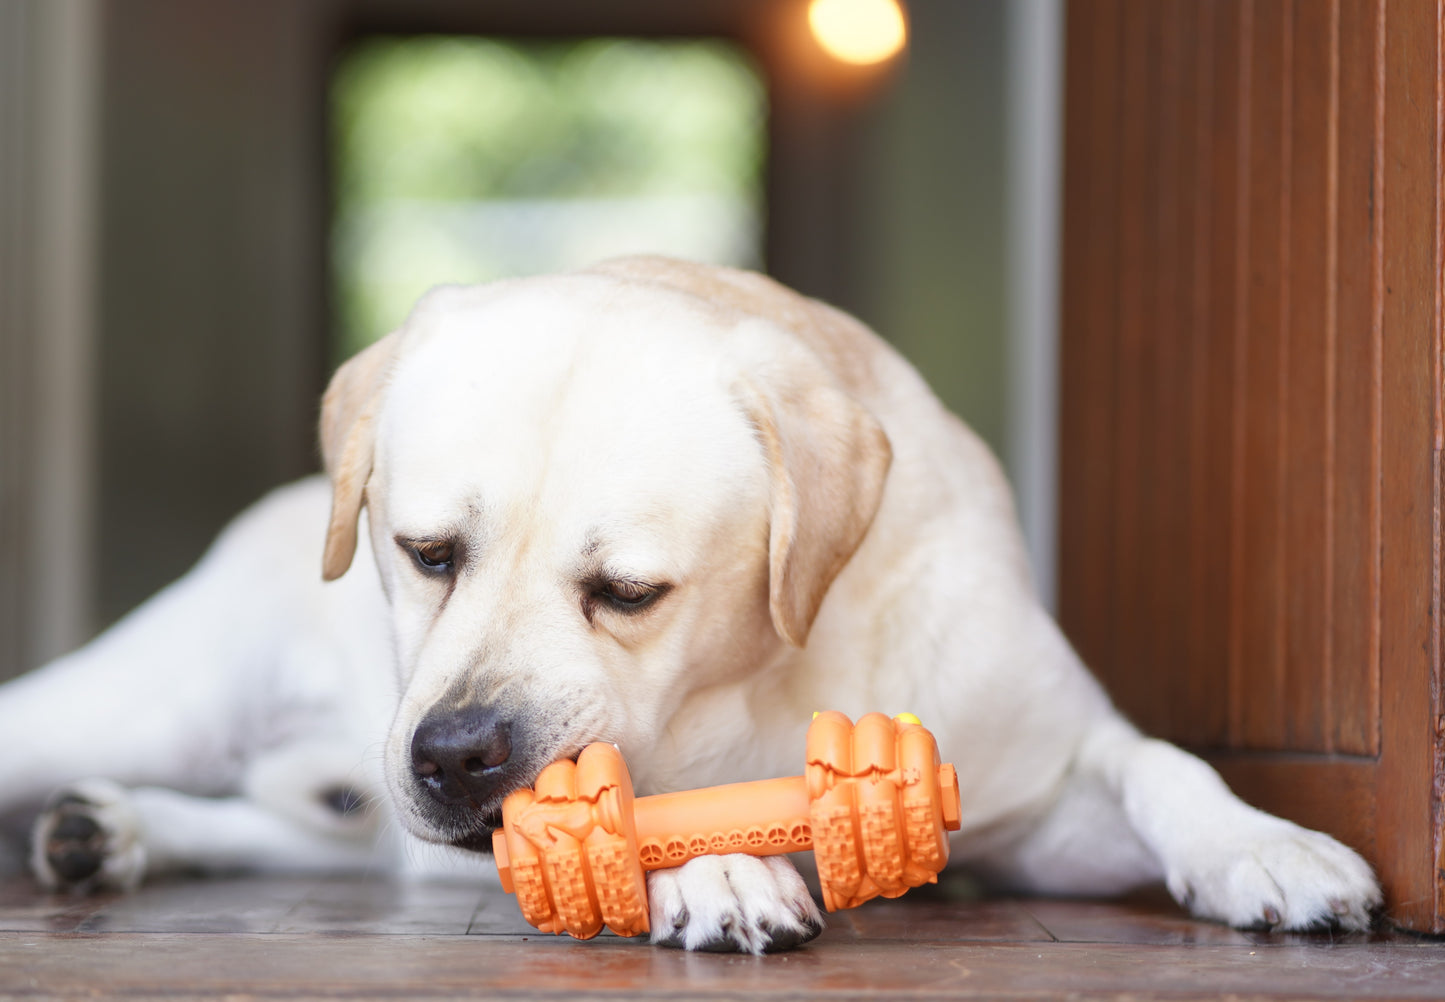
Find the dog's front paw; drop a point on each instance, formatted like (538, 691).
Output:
(1273, 874)
(732, 904)
(87, 839)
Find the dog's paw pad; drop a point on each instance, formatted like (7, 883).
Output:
(732, 904)
(793, 934)
(88, 838)
(75, 846)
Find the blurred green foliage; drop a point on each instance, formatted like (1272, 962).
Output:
(463, 159)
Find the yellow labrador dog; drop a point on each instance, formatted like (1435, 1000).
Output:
(674, 507)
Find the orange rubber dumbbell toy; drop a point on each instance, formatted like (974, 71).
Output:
(875, 805)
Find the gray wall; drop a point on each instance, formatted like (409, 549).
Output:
(211, 302)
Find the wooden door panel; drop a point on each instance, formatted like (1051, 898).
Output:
(1250, 375)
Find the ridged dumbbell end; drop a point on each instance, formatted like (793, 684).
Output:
(880, 805)
(569, 851)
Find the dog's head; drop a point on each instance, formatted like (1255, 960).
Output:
(589, 496)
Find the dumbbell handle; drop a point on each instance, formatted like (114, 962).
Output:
(762, 818)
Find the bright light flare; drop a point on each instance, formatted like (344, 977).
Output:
(861, 32)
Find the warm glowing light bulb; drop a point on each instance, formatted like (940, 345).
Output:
(858, 31)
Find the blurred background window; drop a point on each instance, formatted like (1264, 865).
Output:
(466, 159)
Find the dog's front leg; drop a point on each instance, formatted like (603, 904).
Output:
(95, 834)
(732, 904)
(1155, 809)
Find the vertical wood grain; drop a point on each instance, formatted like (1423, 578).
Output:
(1160, 504)
(1409, 225)
(1308, 359)
(1437, 604)
(1233, 622)
(1135, 275)
(1258, 503)
(1197, 706)
(1091, 202)
(1172, 653)
(1358, 290)
(1219, 301)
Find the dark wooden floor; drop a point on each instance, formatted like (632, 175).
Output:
(273, 938)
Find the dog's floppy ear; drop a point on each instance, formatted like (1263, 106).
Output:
(348, 443)
(828, 458)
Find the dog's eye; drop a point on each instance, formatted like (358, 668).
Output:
(433, 554)
(628, 593)
(627, 596)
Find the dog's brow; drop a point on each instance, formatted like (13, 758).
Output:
(422, 538)
(622, 549)
(443, 529)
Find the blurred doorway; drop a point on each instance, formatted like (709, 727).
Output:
(467, 159)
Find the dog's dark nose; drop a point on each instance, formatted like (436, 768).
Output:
(458, 755)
